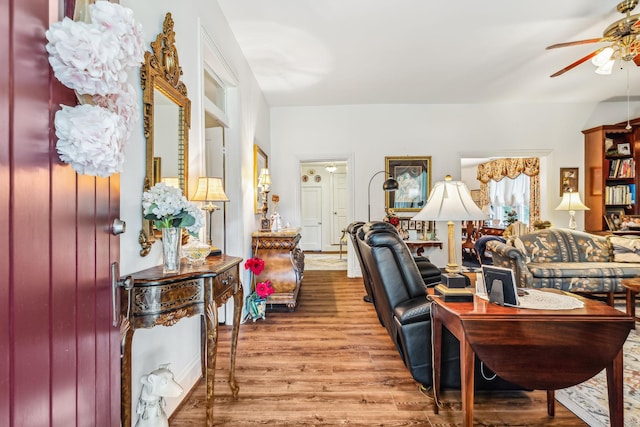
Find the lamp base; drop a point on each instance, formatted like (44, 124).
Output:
(215, 251)
(454, 280)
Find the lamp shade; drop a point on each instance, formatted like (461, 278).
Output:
(264, 180)
(210, 190)
(450, 201)
(390, 185)
(172, 181)
(571, 202)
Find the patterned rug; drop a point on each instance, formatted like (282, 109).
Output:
(325, 261)
(589, 400)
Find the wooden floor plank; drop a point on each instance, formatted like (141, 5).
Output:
(331, 363)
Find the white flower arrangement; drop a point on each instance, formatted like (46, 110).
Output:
(90, 139)
(167, 207)
(93, 59)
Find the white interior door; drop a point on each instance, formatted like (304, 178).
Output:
(311, 219)
(339, 217)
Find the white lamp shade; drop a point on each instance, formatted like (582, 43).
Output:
(210, 190)
(450, 201)
(172, 181)
(265, 178)
(571, 202)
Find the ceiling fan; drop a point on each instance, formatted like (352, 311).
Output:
(622, 36)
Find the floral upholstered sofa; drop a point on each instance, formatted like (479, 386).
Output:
(569, 260)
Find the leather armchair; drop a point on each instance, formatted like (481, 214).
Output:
(400, 296)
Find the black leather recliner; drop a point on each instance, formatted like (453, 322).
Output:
(400, 296)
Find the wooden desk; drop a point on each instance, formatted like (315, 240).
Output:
(283, 265)
(420, 245)
(536, 349)
(159, 299)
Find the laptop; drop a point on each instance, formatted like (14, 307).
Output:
(501, 285)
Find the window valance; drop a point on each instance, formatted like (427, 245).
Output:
(510, 168)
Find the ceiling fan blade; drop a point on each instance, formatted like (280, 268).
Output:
(578, 42)
(578, 62)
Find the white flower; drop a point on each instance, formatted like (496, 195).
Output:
(124, 103)
(118, 21)
(84, 58)
(166, 206)
(90, 139)
(93, 58)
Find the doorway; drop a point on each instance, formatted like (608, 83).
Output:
(323, 206)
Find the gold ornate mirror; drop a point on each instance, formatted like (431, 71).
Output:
(167, 117)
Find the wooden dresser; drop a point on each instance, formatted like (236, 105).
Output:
(156, 298)
(283, 265)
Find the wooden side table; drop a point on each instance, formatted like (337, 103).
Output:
(283, 265)
(163, 299)
(633, 287)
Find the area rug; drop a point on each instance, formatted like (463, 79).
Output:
(325, 261)
(589, 400)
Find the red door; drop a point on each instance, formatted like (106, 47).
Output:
(59, 354)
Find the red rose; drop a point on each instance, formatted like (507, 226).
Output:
(256, 265)
(394, 220)
(264, 289)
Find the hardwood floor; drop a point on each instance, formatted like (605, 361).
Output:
(331, 363)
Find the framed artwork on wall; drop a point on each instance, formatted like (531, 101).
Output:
(413, 174)
(568, 180)
(260, 161)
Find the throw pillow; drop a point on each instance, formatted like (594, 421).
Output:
(625, 249)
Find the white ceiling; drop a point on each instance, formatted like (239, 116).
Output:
(331, 52)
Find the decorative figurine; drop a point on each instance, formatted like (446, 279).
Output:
(156, 386)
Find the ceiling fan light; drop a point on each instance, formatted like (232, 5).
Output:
(606, 68)
(603, 57)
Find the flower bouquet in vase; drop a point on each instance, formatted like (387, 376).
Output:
(256, 301)
(170, 212)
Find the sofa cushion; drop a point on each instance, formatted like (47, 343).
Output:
(583, 269)
(625, 249)
(559, 245)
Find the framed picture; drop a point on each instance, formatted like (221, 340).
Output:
(568, 180)
(404, 224)
(412, 224)
(614, 218)
(624, 148)
(414, 181)
(260, 161)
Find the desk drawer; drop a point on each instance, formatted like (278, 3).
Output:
(225, 282)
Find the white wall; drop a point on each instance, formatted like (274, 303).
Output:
(249, 117)
(444, 132)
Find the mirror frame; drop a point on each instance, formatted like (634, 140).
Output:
(260, 160)
(162, 71)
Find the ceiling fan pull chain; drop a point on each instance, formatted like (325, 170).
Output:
(628, 107)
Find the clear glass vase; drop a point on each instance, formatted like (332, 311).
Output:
(171, 241)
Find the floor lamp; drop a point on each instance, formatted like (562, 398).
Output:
(210, 190)
(450, 201)
(571, 202)
(389, 185)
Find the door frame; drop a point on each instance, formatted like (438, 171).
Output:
(336, 157)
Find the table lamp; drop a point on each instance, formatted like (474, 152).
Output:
(264, 182)
(450, 201)
(571, 202)
(210, 190)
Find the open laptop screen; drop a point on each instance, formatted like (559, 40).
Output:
(500, 284)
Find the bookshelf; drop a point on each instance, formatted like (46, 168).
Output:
(611, 157)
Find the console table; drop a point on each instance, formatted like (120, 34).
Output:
(537, 349)
(163, 299)
(419, 245)
(283, 265)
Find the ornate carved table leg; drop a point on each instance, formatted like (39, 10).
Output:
(212, 339)
(126, 338)
(238, 298)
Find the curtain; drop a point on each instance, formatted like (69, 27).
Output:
(497, 170)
